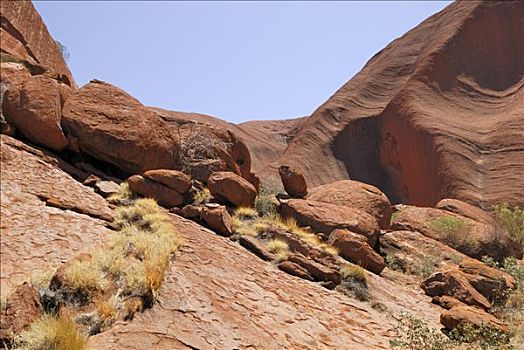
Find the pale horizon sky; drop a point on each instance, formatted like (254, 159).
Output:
(237, 61)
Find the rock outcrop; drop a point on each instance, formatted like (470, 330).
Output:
(25, 35)
(23, 306)
(164, 195)
(454, 284)
(461, 315)
(470, 237)
(433, 115)
(355, 248)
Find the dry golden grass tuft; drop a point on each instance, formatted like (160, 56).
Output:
(106, 310)
(202, 197)
(291, 225)
(279, 248)
(245, 213)
(53, 334)
(124, 194)
(85, 275)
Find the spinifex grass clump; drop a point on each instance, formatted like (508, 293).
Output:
(291, 225)
(354, 281)
(131, 264)
(279, 248)
(50, 333)
(146, 234)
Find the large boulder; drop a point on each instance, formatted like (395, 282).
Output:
(453, 283)
(110, 125)
(293, 181)
(355, 248)
(22, 308)
(468, 236)
(355, 194)
(34, 106)
(325, 217)
(165, 196)
(229, 187)
(463, 314)
(173, 179)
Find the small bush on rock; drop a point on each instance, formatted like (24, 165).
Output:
(413, 333)
(354, 282)
(427, 266)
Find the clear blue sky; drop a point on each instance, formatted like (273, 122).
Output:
(234, 60)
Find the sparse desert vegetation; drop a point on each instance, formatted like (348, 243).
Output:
(454, 232)
(511, 218)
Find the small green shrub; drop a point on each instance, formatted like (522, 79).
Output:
(512, 220)
(481, 336)
(264, 202)
(413, 333)
(427, 266)
(454, 232)
(395, 263)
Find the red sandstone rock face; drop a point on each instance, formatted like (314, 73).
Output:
(470, 237)
(217, 295)
(433, 115)
(42, 234)
(112, 126)
(24, 35)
